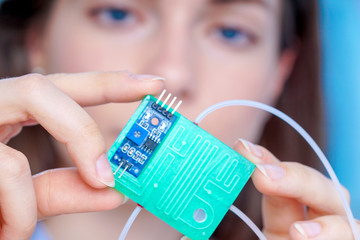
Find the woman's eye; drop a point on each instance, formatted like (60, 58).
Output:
(230, 33)
(114, 16)
(233, 36)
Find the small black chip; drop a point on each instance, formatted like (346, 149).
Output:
(150, 144)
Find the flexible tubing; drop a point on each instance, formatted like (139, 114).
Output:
(304, 134)
(248, 221)
(129, 222)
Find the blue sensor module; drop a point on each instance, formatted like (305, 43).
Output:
(142, 139)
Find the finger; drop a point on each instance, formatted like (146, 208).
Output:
(323, 228)
(278, 212)
(254, 153)
(17, 202)
(98, 88)
(289, 186)
(9, 131)
(294, 180)
(85, 88)
(278, 215)
(63, 191)
(306, 185)
(302, 183)
(36, 98)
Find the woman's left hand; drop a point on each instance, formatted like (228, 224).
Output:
(298, 201)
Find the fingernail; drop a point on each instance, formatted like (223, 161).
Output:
(308, 229)
(104, 171)
(272, 172)
(125, 199)
(251, 148)
(146, 77)
(184, 238)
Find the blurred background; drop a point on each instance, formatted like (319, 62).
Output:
(340, 33)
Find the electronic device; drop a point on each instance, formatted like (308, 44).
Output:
(176, 170)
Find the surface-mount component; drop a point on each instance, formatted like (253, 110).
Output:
(150, 144)
(137, 134)
(176, 170)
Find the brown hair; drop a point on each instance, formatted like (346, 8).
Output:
(301, 98)
(15, 17)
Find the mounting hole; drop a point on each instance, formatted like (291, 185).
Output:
(199, 215)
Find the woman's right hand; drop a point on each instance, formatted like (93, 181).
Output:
(55, 102)
(298, 202)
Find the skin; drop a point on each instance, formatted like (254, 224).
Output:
(183, 41)
(24, 198)
(190, 64)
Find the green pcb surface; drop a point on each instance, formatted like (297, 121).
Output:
(190, 179)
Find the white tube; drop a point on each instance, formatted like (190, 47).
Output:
(129, 222)
(304, 134)
(248, 221)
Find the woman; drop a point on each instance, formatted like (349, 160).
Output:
(208, 51)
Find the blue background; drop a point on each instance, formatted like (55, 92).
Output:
(340, 20)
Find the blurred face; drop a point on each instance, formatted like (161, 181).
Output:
(209, 51)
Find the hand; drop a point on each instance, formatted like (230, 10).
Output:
(298, 202)
(55, 102)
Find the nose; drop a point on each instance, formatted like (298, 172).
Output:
(174, 57)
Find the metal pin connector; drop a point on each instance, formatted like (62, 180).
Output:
(161, 95)
(118, 168)
(176, 108)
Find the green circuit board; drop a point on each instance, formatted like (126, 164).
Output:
(176, 170)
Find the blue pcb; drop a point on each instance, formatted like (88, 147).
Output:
(142, 139)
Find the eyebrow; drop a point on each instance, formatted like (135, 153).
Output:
(264, 3)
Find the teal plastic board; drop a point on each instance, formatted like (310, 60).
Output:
(176, 170)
